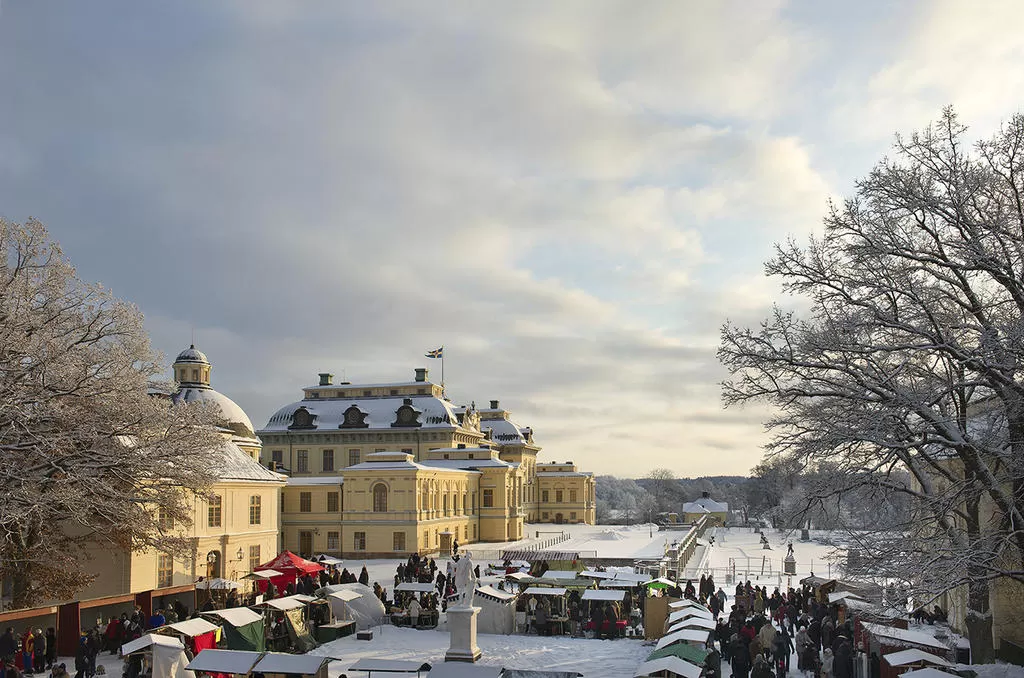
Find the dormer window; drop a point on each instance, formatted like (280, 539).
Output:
(354, 418)
(302, 418)
(406, 416)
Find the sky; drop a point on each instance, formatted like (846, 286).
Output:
(570, 197)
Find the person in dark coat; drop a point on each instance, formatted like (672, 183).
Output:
(39, 659)
(8, 646)
(364, 577)
(876, 665)
(713, 664)
(51, 647)
(842, 666)
(782, 648)
(81, 659)
(740, 657)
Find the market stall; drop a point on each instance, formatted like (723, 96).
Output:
(157, 655)
(242, 628)
(289, 628)
(554, 617)
(610, 601)
(698, 637)
(372, 665)
(405, 592)
(290, 567)
(366, 610)
(198, 634)
(668, 666)
(497, 610)
(220, 662)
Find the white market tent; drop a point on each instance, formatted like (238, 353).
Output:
(662, 581)
(150, 640)
(284, 604)
(225, 661)
(686, 602)
(371, 666)
(345, 595)
(594, 574)
(632, 576)
(192, 627)
(595, 594)
(539, 591)
(497, 611)
(693, 636)
(837, 596)
(218, 584)
(518, 576)
(366, 610)
(915, 656)
(673, 665)
(618, 584)
(689, 613)
(928, 672)
(693, 623)
(415, 586)
(325, 559)
(559, 574)
(236, 616)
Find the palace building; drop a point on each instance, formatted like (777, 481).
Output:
(389, 469)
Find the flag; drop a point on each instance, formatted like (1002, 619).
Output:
(436, 353)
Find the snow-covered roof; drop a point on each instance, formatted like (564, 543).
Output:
(466, 464)
(230, 462)
(316, 480)
(549, 474)
(193, 627)
(211, 660)
(684, 636)
(236, 616)
(503, 431)
(538, 591)
(292, 664)
(903, 636)
(380, 413)
(914, 656)
(693, 623)
(673, 665)
(503, 596)
(149, 640)
(595, 594)
(232, 416)
(929, 672)
(705, 505)
(192, 355)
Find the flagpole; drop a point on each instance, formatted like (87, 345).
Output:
(442, 370)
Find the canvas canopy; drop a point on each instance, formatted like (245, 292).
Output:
(928, 672)
(279, 662)
(595, 594)
(559, 574)
(237, 616)
(694, 636)
(497, 612)
(686, 602)
(660, 583)
(837, 596)
(503, 596)
(530, 673)
(518, 576)
(325, 559)
(224, 661)
(149, 640)
(537, 591)
(345, 595)
(618, 584)
(192, 627)
(264, 574)
(594, 574)
(673, 665)
(631, 576)
(290, 566)
(693, 623)
(903, 636)
(283, 604)
(365, 611)
(689, 613)
(217, 584)
(915, 656)
(692, 654)
(415, 586)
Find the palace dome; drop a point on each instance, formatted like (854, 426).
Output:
(197, 389)
(192, 355)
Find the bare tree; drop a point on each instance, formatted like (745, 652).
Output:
(90, 456)
(911, 357)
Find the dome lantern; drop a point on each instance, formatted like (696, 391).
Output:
(192, 368)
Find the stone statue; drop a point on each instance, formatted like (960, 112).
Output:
(465, 580)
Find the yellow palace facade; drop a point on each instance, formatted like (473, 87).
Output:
(389, 469)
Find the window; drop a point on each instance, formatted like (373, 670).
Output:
(255, 510)
(394, 391)
(572, 496)
(558, 496)
(465, 503)
(302, 461)
(426, 538)
(359, 541)
(314, 394)
(444, 504)
(305, 502)
(334, 541)
(544, 496)
(195, 375)
(399, 541)
(379, 449)
(328, 460)
(353, 457)
(277, 456)
(544, 516)
(465, 532)
(164, 519)
(380, 498)
(474, 532)
(254, 557)
(407, 450)
(366, 394)
(572, 516)
(164, 571)
(488, 498)
(213, 511)
(333, 502)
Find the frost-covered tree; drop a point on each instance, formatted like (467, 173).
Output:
(911, 358)
(90, 457)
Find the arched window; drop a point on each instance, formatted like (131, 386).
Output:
(380, 498)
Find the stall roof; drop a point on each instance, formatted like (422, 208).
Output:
(289, 603)
(686, 602)
(661, 582)
(537, 591)
(559, 574)
(903, 636)
(684, 635)
(217, 584)
(674, 665)
(149, 640)
(518, 576)
(345, 595)
(224, 661)
(692, 623)
(914, 656)
(464, 670)
(280, 662)
(581, 583)
(597, 575)
(836, 596)
(389, 665)
(632, 576)
(814, 581)
(263, 574)
(303, 598)
(928, 672)
(237, 616)
(418, 587)
(503, 596)
(325, 559)
(192, 627)
(688, 613)
(537, 556)
(691, 653)
(595, 594)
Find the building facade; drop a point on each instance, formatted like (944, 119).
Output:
(383, 470)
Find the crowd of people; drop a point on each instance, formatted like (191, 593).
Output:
(33, 652)
(762, 631)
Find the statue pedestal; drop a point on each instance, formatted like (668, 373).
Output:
(462, 627)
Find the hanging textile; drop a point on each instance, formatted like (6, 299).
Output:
(299, 631)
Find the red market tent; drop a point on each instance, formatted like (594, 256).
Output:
(291, 568)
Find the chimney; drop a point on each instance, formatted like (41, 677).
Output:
(494, 404)
(421, 374)
(326, 378)
(705, 495)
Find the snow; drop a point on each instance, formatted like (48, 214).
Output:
(593, 658)
(913, 656)
(316, 480)
(380, 412)
(903, 635)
